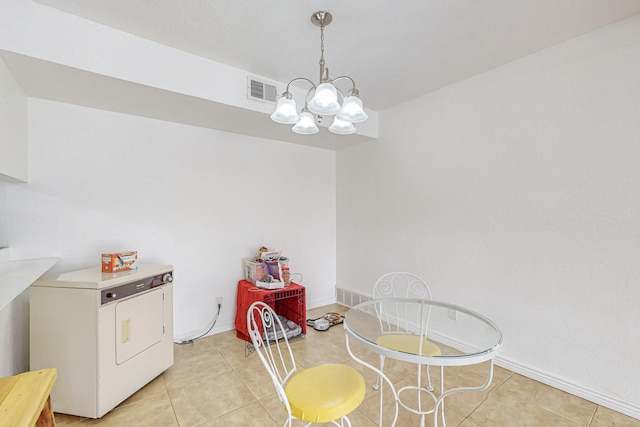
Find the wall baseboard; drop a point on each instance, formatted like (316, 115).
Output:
(350, 298)
(217, 329)
(320, 303)
(570, 387)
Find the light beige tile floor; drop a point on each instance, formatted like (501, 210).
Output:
(213, 383)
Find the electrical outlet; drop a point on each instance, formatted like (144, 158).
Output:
(453, 314)
(219, 301)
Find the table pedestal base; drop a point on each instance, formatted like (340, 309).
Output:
(437, 410)
(438, 401)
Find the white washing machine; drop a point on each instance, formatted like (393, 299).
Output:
(108, 334)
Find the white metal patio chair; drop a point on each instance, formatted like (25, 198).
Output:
(321, 394)
(398, 331)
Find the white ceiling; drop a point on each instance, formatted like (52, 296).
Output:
(393, 50)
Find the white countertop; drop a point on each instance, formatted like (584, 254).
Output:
(16, 276)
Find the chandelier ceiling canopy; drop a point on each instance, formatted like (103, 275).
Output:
(326, 98)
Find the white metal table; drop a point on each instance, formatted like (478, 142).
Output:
(462, 336)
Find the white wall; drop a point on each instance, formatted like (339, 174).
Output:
(196, 198)
(13, 127)
(97, 181)
(14, 336)
(516, 193)
(3, 213)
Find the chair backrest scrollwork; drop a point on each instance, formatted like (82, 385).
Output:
(398, 317)
(269, 338)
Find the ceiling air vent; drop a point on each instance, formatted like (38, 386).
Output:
(259, 90)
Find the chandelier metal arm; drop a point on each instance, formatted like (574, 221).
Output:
(353, 90)
(306, 98)
(297, 79)
(311, 89)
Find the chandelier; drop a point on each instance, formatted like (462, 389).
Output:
(325, 100)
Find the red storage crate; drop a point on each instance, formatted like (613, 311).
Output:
(289, 302)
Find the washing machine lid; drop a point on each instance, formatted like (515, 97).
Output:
(94, 278)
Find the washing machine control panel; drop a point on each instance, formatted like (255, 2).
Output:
(135, 287)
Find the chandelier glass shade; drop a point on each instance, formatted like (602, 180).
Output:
(341, 127)
(325, 101)
(326, 98)
(306, 125)
(352, 110)
(285, 111)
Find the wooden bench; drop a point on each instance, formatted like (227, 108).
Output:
(25, 401)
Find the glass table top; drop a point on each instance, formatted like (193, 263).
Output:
(423, 331)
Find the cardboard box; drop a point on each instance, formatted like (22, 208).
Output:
(122, 261)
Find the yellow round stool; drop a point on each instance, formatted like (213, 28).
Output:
(325, 393)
